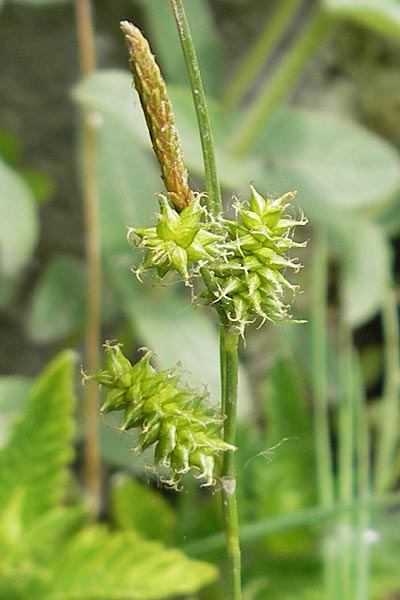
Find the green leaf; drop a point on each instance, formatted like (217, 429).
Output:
(18, 222)
(128, 180)
(389, 219)
(10, 145)
(142, 509)
(33, 473)
(382, 16)
(58, 304)
(41, 185)
(121, 565)
(165, 42)
(366, 261)
(14, 392)
(335, 164)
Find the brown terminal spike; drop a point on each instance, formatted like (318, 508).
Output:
(159, 116)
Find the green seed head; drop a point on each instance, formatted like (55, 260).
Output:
(176, 420)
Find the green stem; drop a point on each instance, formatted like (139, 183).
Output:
(322, 435)
(91, 459)
(275, 89)
(229, 338)
(385, 469)
(319, 335)
(229, 341)
(363, 448)
(346, 456)
(199, 99)
(257, 55)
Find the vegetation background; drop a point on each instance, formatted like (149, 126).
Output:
(338, 145)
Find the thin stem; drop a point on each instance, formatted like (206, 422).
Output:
(363, 448)
(214, 202)
(346, 456)
(91, 458)
(281, 83)
(322, 434)
(259, 52)
(319, 336)
(229, 386)
(385, 469)
(229, 337)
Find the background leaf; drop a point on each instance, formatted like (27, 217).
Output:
(122, 565)
(382, 16)
(163, 35)
(14, 392)
(365, 258)
(138, 507)
(18, 222)
(33, 463)
(300, 149)
(335, 164)
(58, 306)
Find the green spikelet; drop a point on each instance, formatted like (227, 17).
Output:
(248, 278)
(185, 432)
(180, 241)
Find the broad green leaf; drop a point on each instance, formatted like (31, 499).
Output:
(335, 164)
(163, 34)
(58, 305)
(129, 180)
(141, 508)
(33, 463)
(390, 218)
(97, 565)
(18, 222)
(382, 16)
(365, 259)
(14, 392)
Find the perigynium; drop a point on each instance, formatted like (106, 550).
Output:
(174, 418)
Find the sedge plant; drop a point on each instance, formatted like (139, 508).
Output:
(242, 262)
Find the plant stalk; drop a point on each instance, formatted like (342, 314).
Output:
(214, 201)
(319, 336)
(385, 469)
(260, 52)
(229, 337)
(322, 434)
(363, 448)
(91, 452)
(347, 476)
(281, 83)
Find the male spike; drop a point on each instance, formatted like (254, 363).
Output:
(159, 116)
